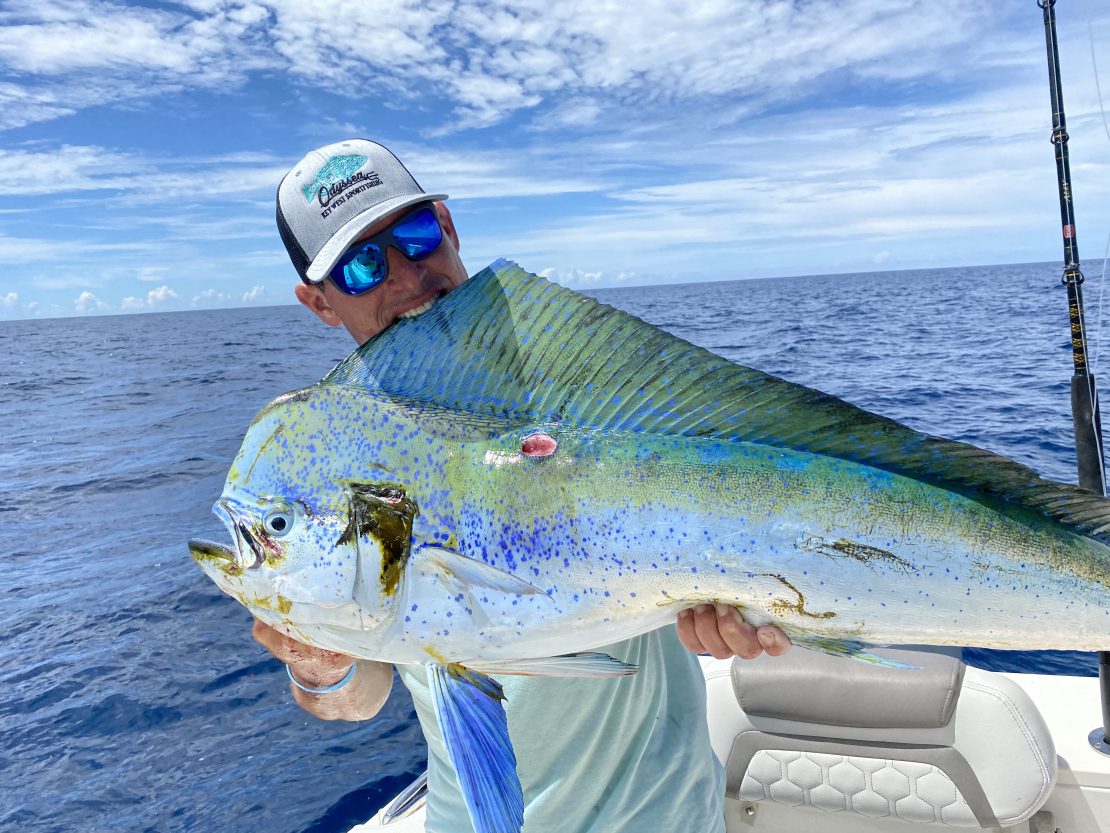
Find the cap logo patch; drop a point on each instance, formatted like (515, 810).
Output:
(336, 176)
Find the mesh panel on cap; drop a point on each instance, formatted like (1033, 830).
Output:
(296, 253)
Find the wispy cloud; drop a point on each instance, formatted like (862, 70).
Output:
(72, 169)
(59, 37)
(573, 61)
(679, 141)
(152, 48)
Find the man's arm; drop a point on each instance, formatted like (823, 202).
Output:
(720, 630)
(360, 699)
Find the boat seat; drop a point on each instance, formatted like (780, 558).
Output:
(940, 743)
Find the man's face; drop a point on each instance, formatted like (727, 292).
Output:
(409, 285)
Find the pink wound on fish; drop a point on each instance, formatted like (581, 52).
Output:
(538, 445)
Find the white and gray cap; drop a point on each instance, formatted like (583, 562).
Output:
(333, 195)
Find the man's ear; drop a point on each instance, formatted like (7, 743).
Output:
(313, 297)
(447, 224)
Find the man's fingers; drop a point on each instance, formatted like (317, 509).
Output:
(720, 630)
(738, 635)
(773, 640)
(708, 632)
(686, 633)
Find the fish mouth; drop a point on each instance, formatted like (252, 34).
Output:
(250, 550)
(209, 552)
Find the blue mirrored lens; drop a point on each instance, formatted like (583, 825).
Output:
(418, 235)
(364, 269)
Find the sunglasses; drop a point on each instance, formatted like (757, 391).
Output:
(365, 265)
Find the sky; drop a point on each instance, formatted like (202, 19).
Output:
(598, 143)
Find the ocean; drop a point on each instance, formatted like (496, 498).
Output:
(134, 696)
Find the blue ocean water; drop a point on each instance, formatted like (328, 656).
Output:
(135, 698)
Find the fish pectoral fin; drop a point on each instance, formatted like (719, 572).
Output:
(475, 730)
(589, 664)
(848, 648)
(469, 572)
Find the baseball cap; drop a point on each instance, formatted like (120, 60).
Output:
(334, 194)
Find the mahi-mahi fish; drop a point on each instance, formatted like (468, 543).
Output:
(521, 475)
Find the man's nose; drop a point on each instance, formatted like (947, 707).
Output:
(414, 274)
(409, 273)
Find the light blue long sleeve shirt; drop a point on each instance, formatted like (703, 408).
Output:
(598, 755)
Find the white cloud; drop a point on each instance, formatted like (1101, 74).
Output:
(580, 113)
(97, 37)
(70, 169)
(11, 306)
(152, 274)
(582, 278)
(209, 298)
(735, 138)
(67, 169)
(484, 174)
(215, 298)
(88, 303)
(24, 249)
(159, 296)
(20, 106)
(491, 61)
(113, 52)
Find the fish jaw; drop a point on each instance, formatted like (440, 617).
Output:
(294, 603)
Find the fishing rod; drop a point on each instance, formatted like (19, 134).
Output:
(1086, 419)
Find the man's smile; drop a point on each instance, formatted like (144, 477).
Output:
(424, 307)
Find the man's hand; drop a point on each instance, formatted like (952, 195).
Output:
(360, 699)
(720, 630)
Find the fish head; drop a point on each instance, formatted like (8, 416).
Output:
(321, 524)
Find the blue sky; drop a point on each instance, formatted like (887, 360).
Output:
(598, 143)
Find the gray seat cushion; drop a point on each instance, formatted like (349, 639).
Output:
(942, 744)
(818, 688)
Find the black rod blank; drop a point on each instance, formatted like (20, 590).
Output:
(1086, 420)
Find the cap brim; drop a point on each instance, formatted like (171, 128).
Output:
(353, 228)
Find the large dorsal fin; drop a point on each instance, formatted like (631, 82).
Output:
(508, 343)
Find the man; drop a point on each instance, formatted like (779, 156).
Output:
(372, 247)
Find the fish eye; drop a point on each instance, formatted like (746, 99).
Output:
(278, 522)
